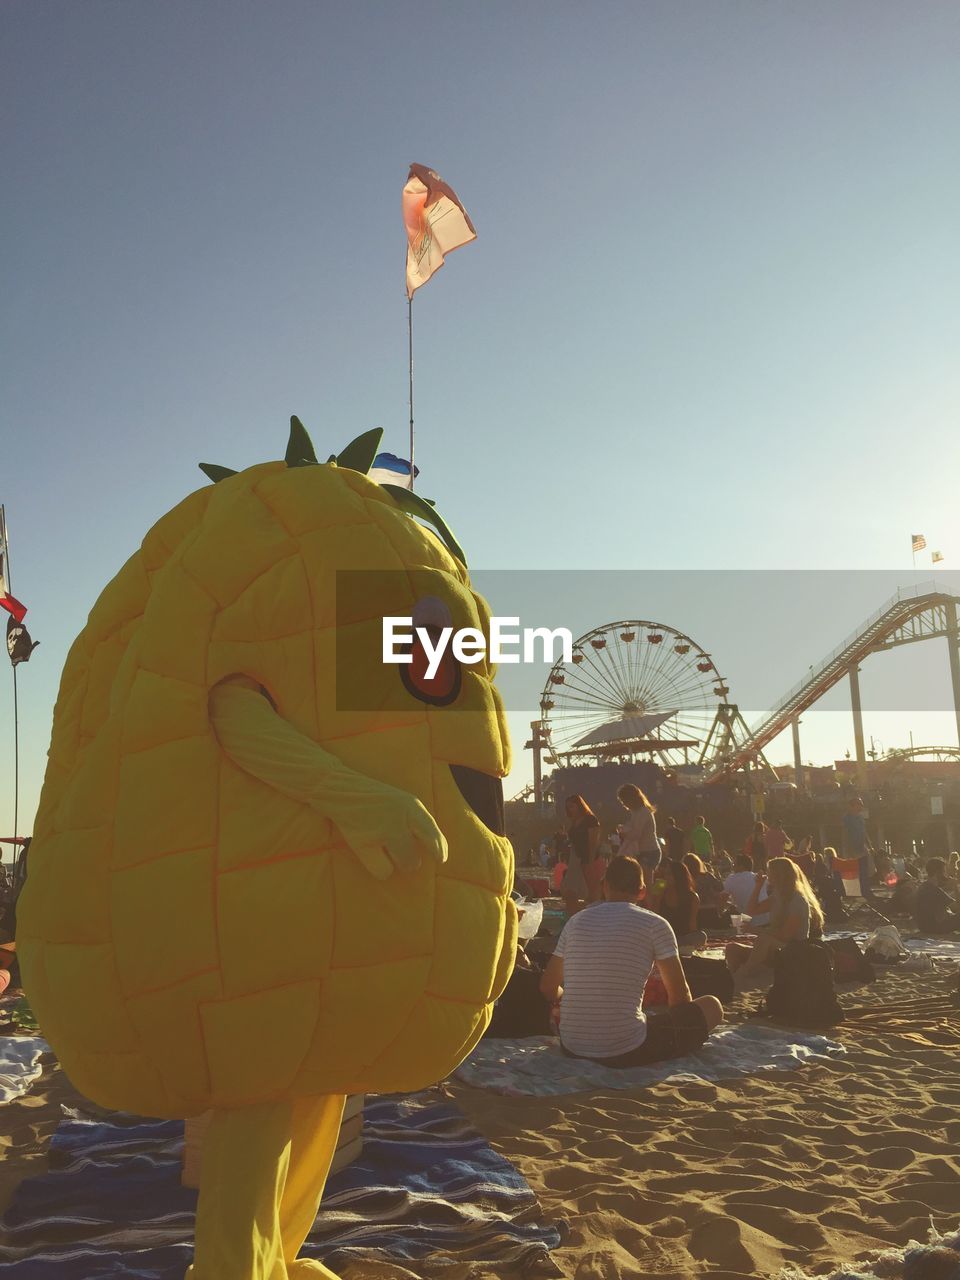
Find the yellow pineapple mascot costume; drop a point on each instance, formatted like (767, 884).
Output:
(269, 869)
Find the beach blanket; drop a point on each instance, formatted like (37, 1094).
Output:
(427, 1185)
(537, 1066)
(19, 1064)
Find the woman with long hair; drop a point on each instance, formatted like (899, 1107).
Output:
(714, 909)
(640, 830)
(583, 832)
(795, 915)
(674, 896)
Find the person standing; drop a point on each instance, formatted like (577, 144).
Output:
(777, 840)
(756, 847)
(583, 834)
(701, 840)
(856, 845)
(640, 830)
(676, 840)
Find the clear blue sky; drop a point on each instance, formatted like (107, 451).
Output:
(711, 319)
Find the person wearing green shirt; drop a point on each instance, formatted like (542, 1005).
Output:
(701, 839)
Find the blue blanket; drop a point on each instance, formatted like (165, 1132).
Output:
(538, 1068)
(426, 1184)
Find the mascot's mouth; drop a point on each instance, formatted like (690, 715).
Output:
(484, 795)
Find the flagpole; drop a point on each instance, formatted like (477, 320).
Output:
(16, 717)
(413, 470)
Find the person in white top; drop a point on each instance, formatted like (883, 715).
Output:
(600, 968)
(740, 885)
(640, 829)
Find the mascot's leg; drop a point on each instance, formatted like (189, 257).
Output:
(261, 1179)
(316, 1128)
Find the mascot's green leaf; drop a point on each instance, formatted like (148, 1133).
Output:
(215, 473)
(360, 453)
(414, 505)
(300, 450)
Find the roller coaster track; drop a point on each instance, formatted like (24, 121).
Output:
(915, 613)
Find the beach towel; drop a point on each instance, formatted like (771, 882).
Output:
(426, 1185)
(19, 1064)
(539, 1068)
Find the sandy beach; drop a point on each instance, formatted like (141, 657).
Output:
(824, 1165)
(813, 1168)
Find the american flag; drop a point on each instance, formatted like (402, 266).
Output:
(936, 557)
(919, 542)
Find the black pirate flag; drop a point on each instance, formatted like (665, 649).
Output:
(19, 644)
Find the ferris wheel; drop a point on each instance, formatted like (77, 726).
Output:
(633, 687)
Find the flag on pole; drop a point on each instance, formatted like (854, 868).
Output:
(919, 542)
(19, 644)
(848, 869)
(389, 469)
(7, 601)
(436, 224)
(936, 556)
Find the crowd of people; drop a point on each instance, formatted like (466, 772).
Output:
(638, 899)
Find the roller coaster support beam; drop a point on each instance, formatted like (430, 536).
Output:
(858, 726)
(797, 761)
(953, 648)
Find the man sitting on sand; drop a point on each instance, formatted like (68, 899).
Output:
(935, 910)
(740, 886)
(603, 959)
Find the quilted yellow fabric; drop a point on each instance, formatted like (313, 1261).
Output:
(191, 936)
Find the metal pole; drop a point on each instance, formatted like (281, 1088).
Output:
(797, 761)
(537, 772)
(5, 548)
(953, 648)
(410, 369)
(858, 725)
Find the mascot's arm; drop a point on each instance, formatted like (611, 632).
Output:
(385, 827)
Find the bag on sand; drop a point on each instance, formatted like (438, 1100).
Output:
(521, 1010)
(885, 946)
(802, 994)
(849, 962)
(706, 977)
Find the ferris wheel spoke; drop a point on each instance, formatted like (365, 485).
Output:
(605, 663)
(596, 672)
(591, 684)
(622, 658)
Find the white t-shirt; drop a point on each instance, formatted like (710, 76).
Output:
(608, 951)
(740, 886)
(639, 833)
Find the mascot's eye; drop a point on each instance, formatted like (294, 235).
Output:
(443, 687)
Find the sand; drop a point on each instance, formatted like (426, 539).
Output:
(816, 1167)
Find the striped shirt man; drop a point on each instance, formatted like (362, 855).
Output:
(608, 952)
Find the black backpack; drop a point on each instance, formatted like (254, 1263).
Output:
(521, 1010)
(802, 994)
(706, 977)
